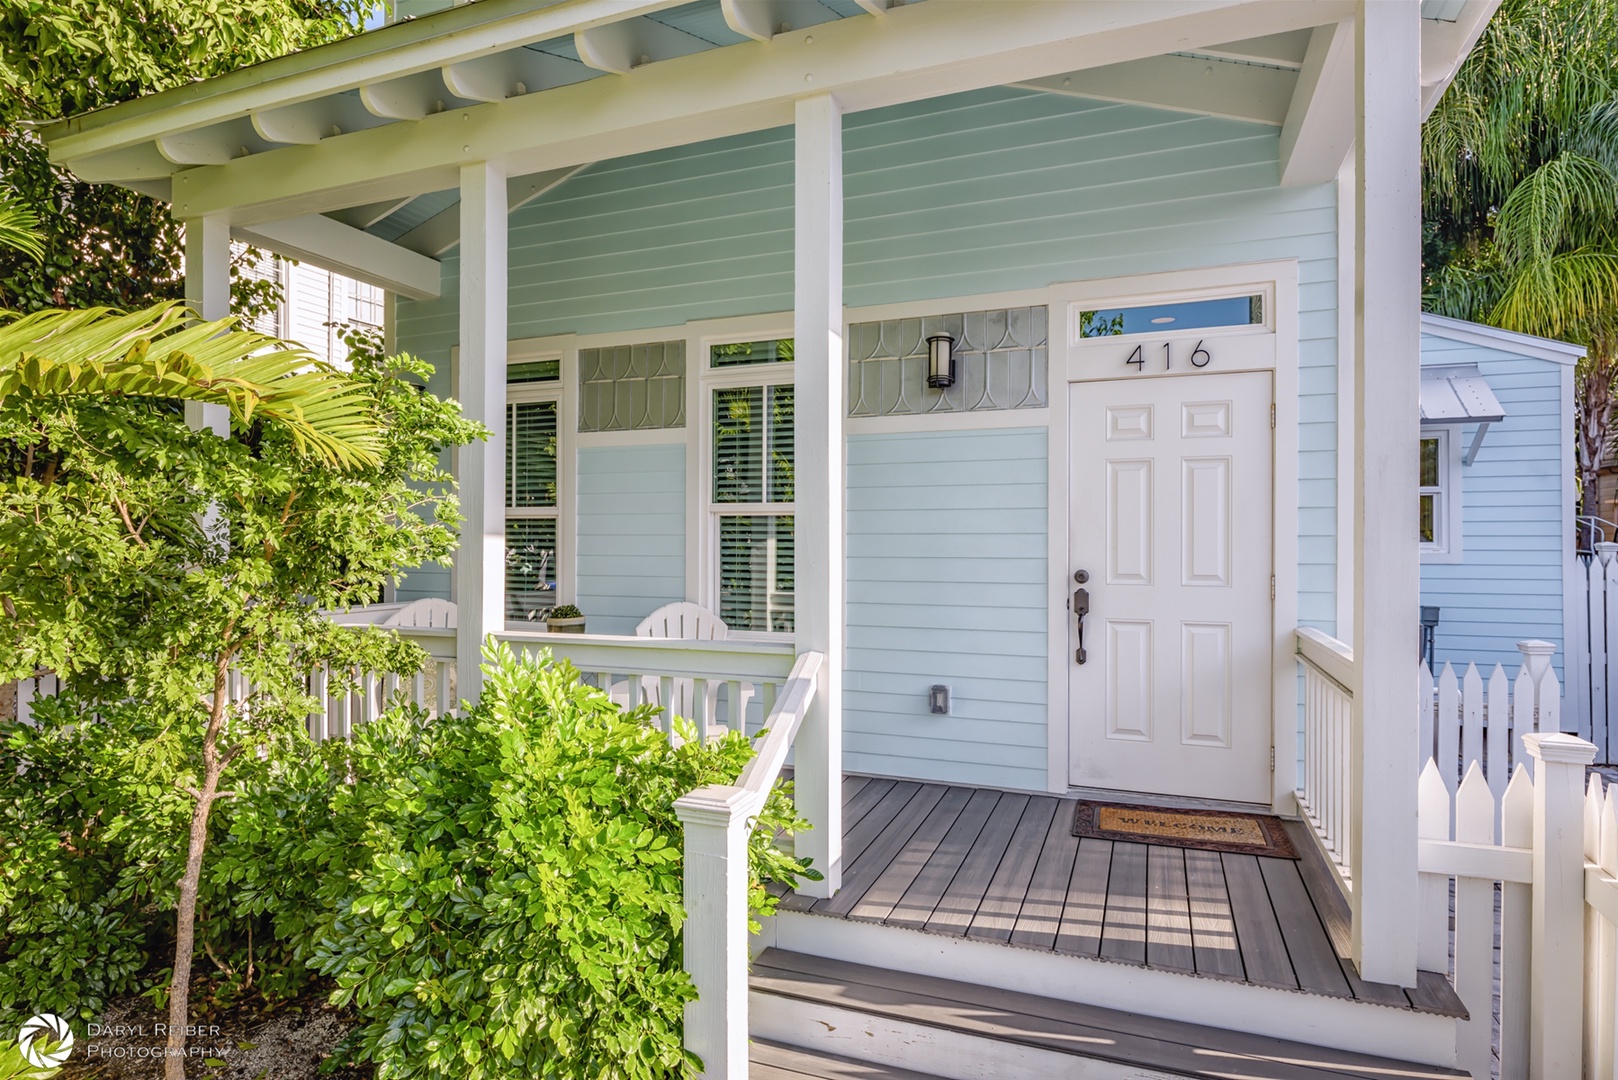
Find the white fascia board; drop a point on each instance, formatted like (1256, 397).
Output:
(1207, 87)
(1445, 45)
(1492, 337)
(915, 52)
(343, 249)
(1318, 133)
(464, 32)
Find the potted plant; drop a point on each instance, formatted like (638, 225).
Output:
(565, 619)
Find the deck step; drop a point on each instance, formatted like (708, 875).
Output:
(963, 1031)
(777, 1061)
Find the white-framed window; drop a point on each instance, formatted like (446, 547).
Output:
(1438, 520)
(749, 486)
(365, 304)
(533, 479)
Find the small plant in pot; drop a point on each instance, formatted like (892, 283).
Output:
(565, 619)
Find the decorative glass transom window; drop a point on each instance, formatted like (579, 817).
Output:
(531, 489)
(632, 387)
(1001, 357)
(752, 485)
(1178, 315)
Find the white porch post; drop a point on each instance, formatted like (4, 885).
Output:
(207, 290)
(480, 580)
(818, 330)
(1387, 578)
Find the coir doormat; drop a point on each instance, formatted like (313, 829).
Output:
(1207, 830)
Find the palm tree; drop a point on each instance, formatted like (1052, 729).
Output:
(1520, 185)
(18, 230)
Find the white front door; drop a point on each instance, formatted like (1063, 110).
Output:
(1170, 517)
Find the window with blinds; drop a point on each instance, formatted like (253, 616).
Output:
(531, 509)
(753, 491)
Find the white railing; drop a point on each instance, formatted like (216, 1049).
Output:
(1465, 720)
(1325, 794)
(718, 821)
(1541, 842)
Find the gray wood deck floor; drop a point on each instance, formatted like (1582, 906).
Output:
(1005, 867)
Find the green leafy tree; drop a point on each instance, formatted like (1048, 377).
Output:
(147, 563)
(1520, 184)
(104, 246)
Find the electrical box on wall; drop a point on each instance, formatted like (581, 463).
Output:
(938, 700)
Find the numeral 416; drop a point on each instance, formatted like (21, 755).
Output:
(1200, 357)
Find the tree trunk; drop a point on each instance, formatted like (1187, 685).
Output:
(213, 766)
(1596, 408)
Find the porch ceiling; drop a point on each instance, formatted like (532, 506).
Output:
(338, 144)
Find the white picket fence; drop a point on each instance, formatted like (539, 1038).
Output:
(1466, 719)
(1549, 843)
(1592, 652)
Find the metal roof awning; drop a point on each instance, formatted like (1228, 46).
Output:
(1459, 394)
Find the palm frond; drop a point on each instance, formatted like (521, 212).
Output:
(1542, 213)
(160, 352)
(1559, 295)
(18, 230)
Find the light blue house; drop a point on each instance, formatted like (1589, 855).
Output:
(1032, 390)
(1497, 491)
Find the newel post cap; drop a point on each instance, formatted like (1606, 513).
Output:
(1559, 748)
(721, 804)
(1536, 657)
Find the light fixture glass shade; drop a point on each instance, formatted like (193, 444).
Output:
(940, 361)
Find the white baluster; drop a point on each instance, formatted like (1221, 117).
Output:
(1474, 928)
(1433, 823)
(1516, 923)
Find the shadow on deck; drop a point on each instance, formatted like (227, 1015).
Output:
(1005, 867)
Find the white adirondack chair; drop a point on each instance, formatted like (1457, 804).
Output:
(685, 621)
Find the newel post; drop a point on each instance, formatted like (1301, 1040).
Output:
(717, 820)
(1556, 942)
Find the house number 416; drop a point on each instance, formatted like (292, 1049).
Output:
(1200, 357)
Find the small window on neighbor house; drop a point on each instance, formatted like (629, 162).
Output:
(365, 304)
(1185, 315)
(1434, 517)
(752, 492)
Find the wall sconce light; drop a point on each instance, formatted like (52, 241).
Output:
(940, 361)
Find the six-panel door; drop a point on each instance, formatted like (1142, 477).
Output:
(1170, 513)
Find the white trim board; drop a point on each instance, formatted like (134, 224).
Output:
(1492, 337)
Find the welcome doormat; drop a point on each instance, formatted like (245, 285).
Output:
(1206, 830)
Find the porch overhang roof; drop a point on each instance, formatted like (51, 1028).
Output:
(311, 154)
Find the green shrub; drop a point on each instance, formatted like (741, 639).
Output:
(496, 894)
(518, 908)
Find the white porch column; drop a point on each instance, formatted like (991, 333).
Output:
(818, 603)
(480, 571)
(1387, 579)
(207, 290)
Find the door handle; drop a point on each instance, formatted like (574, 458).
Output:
(1081, 608)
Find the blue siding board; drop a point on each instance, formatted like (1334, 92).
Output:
(1039, 188)
(631, 515)
(1508, 586)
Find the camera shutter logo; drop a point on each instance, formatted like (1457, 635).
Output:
(40, 1032)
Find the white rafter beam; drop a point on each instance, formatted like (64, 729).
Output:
(916, 52)
(1444, 45)
(1282, 50)
(410, 97)
(1319, 130)
(620, 47)
(512, 73)
(368, 214)
(442, 231)
(391, 52)
(344, 249)
(1184, 84)
(763, 19)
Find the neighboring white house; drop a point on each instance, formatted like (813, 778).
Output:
(317, 305)
(1034, 390)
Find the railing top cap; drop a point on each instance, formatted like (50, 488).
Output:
(1559, 747)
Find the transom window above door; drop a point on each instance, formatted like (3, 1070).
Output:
(1174, 315)
(751, 484)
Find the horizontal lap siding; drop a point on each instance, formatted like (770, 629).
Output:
(631, 553)
(946, 584)
(1508, 586)
(996, 190)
